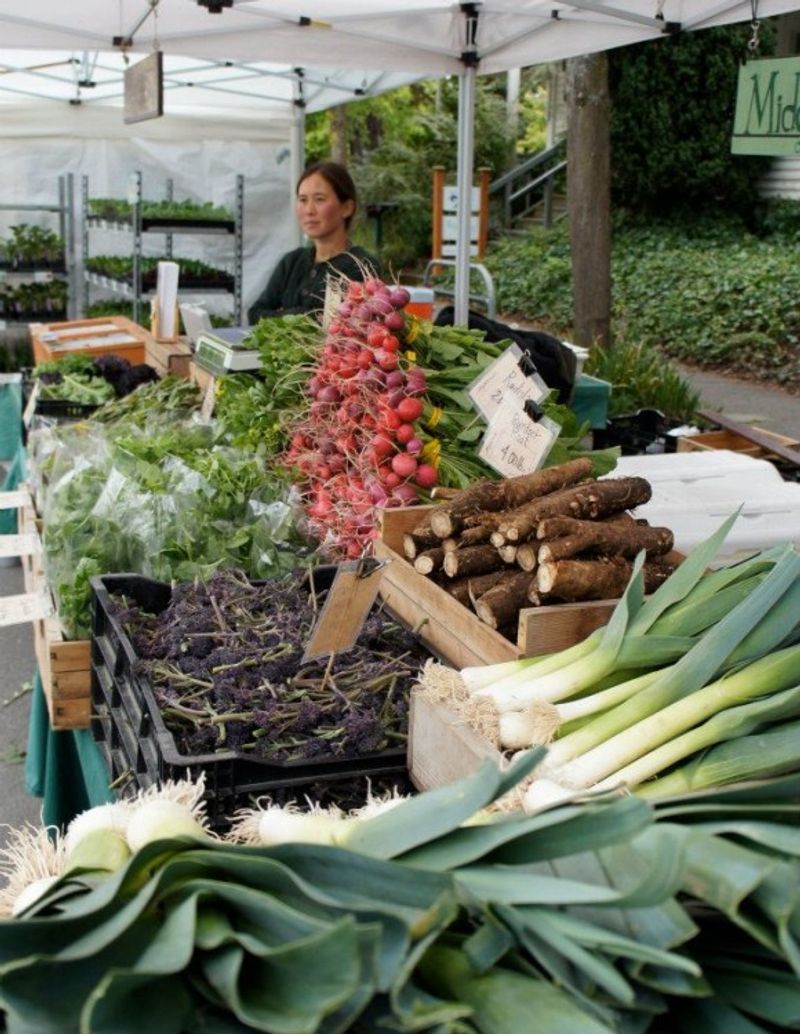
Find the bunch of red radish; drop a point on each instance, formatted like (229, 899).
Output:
(357, 448)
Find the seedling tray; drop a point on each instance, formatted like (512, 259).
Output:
(139, 748)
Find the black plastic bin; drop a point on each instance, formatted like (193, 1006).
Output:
(140, 751)
(645, 431)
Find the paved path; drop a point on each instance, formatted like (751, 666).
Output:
(17, 666)
(765, 406)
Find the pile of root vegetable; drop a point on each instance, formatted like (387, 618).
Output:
(551, 536)
(224, 659)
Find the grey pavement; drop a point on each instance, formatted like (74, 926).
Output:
(768, 407)
(17, 665)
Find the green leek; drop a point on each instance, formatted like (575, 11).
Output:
(727, 724)
(772, 752)
(694, 669)
(772, 673)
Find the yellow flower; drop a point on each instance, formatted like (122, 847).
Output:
(432, 452)
(413, 330)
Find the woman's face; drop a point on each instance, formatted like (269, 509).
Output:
(319, 211)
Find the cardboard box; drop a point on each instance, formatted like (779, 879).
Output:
(455, 633)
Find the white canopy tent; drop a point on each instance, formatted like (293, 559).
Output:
(413, 39)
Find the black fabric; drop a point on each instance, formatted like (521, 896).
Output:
(555, 363)
(298, 282)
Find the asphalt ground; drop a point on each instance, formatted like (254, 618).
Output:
(769, 407)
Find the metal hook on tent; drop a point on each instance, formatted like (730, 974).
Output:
(154, 8)
(754, 42)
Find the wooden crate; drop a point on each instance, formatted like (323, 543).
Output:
(94, 336)
(64, 666)
(168, 358)
(441, 746)
(457, 634)
(709, 440)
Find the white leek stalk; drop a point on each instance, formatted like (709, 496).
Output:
(569, 679)
(700, 664)
(776, 671)
(773, 752)
(729, 723)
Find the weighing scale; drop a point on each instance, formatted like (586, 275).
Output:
(220, 351)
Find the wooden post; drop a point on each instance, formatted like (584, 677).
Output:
(483, 211)
(588, 194)
(438, 214)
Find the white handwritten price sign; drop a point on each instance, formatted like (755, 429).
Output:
(516, 444)
(508, 379)
(209, 398)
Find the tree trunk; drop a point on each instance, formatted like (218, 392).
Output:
(589, 198)
(338, 124)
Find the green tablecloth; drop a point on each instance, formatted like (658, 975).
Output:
(10, 415)
(65, 769)
(590, 400)
(16, 473)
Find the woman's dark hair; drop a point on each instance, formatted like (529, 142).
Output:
(339, 180)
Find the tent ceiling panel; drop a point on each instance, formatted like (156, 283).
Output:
(245, 88)
(420, 37)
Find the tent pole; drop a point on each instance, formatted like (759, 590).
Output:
(466, 151)
(297, 147)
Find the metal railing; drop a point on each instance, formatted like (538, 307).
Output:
(530, 184)
(487, 298)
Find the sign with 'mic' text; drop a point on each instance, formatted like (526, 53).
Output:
(767, 119)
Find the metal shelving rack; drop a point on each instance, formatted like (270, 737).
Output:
(65, 210)
(138, 227)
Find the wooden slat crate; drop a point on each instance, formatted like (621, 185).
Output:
(733, 442)
(441, 746)
(457, 634)
(93, 337)
(64, 666)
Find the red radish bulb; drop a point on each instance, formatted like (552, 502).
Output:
(404, 465)
(394, 321)
(399, 297)
(404, 433)
(409, 410)
(426, 475)
(414, 446)
(406, 493)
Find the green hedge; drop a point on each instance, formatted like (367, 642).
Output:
(703, 290)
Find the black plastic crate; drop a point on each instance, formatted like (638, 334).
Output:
(139, 749)
(645, 431)
(64, 409)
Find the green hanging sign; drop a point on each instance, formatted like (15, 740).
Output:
(767, 119)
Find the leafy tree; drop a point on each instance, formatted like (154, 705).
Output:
(672, 114)
(394, 142)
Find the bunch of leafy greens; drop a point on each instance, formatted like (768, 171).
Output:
(150, 493)
(254, 412)
(451, 358)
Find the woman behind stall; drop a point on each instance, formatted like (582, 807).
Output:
(326, 204)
